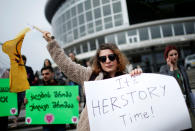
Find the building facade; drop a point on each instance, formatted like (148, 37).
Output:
(140, 28)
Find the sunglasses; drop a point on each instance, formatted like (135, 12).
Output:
(103, 59)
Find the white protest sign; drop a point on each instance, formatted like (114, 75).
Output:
(147, 102)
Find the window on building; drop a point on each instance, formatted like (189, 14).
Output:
(64, 38)
(132, 32)
(89, 16)
(167, 31)
(75, 32)
(64, 28)
(110, 39)
(99, 28)
(106, 10)
(130, 40)
(80, 8)
(68, 15)
(81, 19)
(105, 1)
(143, 34)
(178, 29)
(63, 18)
(87, 4)
(118, 19)
(108, 22)
(117, 7)
(121, 38)
(135, 39)
(155, 32)
(96, 3)
(97, 13)
(101, 40)
(85, 47)
(68, 50)
(72, 49)
(78, 49)
(69, 36)
(92, 44)
(82, 30)
(74, 22)
(68, 25)
(189, 26)
(90, 28)
(73, 11)
(98, 25)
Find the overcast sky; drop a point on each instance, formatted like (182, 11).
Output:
(14, 15)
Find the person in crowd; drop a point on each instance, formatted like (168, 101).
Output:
(4, 119)
(73, 58)
(108, 62)
(147, 66)
(89, 62)
(173, 68)
(48, 79)
(21, 95)
(29, 71)
(46, 63)
(57, 73)
(129, 67)
(48, 76)
(36, 79)
(5, 74)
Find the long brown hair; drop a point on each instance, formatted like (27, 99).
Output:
(121, 59)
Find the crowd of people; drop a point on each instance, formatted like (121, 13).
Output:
(108, 62)
(47, 76)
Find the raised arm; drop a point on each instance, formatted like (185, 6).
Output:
(72, 70)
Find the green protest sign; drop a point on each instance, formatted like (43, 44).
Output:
(52, 105)
(8, 104)
(4, 85)
(8, 101)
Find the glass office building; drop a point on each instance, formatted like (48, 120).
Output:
(140, 28)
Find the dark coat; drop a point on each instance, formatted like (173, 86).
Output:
(30, 74)
(165, 69)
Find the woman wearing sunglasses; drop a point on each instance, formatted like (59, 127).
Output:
(108, 62)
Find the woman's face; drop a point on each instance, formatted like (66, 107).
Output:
(108, 61)
(47, 63)
(173, 56)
